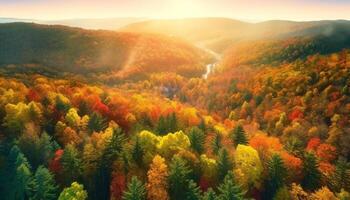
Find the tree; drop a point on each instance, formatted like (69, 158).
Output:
(340, 179)
(167, 124)
(135, 191)
(197, 139)
(312, 175)
(72, 118)
(71, 164)
(112, 149)
(178, 178)
(209, 195)
(44, 185)
(248, 161)
(157, 186)
(239, 136)
(172, 143)
(38, 150)
(137, 152)
(74, 192)
(149, 142)
(22, 181)
(97, 122)
(276, 176)
(17, 176)
(323, 194)
(229, 190)
(224, 164)
(297, 192)
(216, 143)
(193, 192)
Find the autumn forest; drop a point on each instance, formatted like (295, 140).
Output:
(188, 109)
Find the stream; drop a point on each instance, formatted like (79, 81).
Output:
(211, 66)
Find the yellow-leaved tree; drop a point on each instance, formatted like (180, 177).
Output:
(247, 160)
(157, 187)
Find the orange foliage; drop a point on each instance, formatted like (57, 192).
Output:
(326, 152)
(292, 163)
(33, 95)
(265, 143)
(295, 114)
(313, 144)
(326, 167)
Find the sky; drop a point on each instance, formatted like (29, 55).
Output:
(258, 10)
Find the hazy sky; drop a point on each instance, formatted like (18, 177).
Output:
(239, 9)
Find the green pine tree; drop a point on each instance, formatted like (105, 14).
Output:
(137, 152)
(167, 124)
(178, 178)
(276, 176)
(229, 190)
(44, 185)
(209, 195)
(71, 164)
(340, 179)
(224, 164)
(239, 136)
(112, 151)
(216, 143)
(312, 175)
(197, 139)
(135, 191)
(202, 125)
(193, 193)
(97, 123)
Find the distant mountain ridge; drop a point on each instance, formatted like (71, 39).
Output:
(79, 50)
(220, 33)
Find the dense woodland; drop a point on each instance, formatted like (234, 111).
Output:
(271, 121)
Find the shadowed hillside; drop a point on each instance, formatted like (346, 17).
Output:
(74, 49)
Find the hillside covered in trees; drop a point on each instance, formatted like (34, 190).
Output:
(128, 115)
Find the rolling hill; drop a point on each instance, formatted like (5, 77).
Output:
(220, 33)
(79, 50)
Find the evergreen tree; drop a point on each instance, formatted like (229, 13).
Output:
(312, 175)
(229, 190)
(137, 152)
(202, 125)
(216, 143)
(71, 164)
(197, 139)
(135, 191)
(340, 179)
(276, 176)
(161, 128)
(38, 150)
(22, 181)
(19, 176)
(97, 123)
(113, 148)
(193, 193)
(178, 178)
(167, 124)
(209, 195)
(239, 136)
(44, 185)
(172, 123)
(224, 164)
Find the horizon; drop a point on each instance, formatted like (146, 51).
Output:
(251, 10)
(35, 20)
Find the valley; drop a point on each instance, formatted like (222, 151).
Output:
(197, 109)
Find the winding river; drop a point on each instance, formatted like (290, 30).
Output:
(211, 66)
